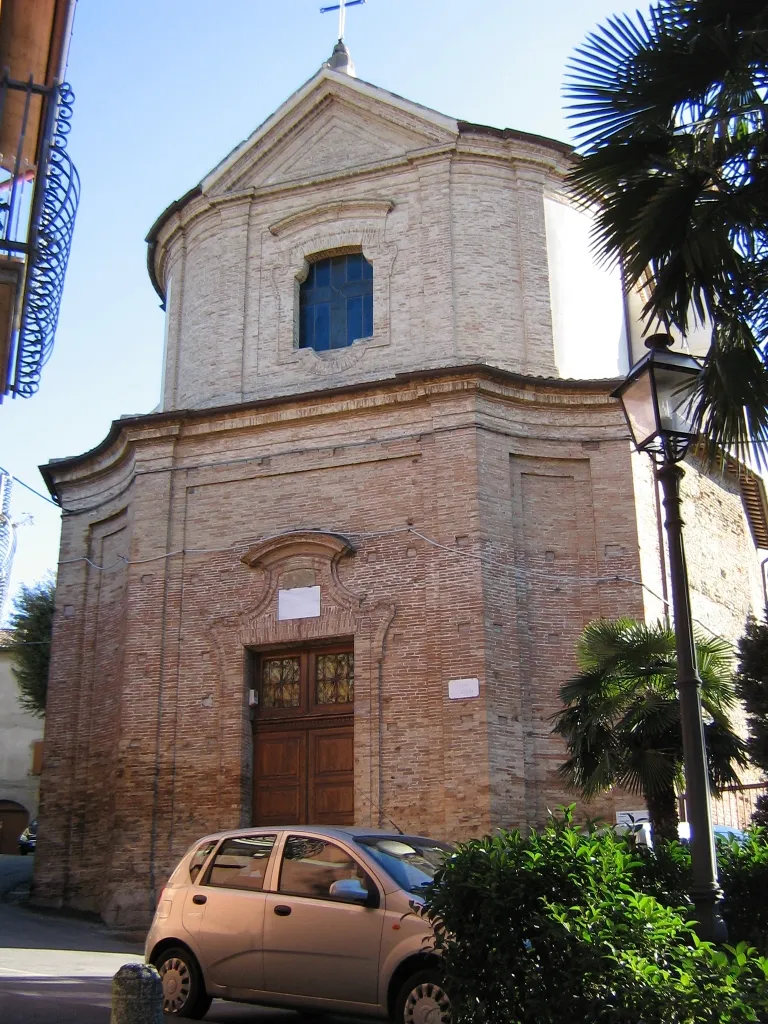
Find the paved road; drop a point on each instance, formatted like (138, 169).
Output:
(14, 870)
(58, 970)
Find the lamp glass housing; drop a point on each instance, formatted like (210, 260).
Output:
(640, 410)
(674, 388)
(658, 400)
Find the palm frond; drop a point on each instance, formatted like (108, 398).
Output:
(649, 771)
(731, 395)
(726, 751)
(670, 111)
(620, 718)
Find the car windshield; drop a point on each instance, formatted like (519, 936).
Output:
(411, 861)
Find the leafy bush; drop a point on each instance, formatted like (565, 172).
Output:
(760, 813)
(556, 927)
(743, 870)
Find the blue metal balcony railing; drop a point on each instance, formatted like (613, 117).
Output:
(39, 194)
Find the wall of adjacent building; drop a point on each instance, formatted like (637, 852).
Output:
(19, 734)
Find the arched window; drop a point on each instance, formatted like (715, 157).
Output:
(336, 302)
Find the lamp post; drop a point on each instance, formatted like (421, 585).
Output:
(656, 399)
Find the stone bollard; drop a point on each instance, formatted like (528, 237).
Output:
(137, 995)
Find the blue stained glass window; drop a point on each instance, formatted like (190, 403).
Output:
(336, 303)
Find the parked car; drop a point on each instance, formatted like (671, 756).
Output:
(722, 833)
(314, 919)
(28, 838)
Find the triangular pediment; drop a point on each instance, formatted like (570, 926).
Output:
(332, 125)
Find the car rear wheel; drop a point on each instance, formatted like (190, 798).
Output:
(184, 993)
(423, 1000)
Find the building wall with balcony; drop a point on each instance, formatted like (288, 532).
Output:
(39, 186)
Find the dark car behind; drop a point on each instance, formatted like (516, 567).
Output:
(28, 838)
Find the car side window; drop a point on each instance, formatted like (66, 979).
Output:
(311, 865)
(199, 857)
(241, 863)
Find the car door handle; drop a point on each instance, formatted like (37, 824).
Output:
(199, 899)
(281, 910)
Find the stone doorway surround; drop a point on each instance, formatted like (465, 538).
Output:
(310, 557)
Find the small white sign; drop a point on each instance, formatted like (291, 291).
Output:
(460, 689)
(630, 818)
(298, 603)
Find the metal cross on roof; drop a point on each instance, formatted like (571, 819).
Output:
(341, 7)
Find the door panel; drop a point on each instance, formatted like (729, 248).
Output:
(304, 775)
(231, 898)
(331, 775)
(12, 824)
(280, 777)
(230, 942)
(322, 949)
(315, 945)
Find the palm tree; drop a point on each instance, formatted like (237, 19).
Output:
(671, 122)
(621, 719)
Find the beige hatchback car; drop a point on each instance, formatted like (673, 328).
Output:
(315, 919)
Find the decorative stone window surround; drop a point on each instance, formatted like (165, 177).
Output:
(353, 225)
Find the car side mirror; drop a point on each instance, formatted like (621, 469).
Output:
(349, 890)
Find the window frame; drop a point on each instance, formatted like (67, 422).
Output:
(338, 300)
(212, 845)
(374, 894)
(308, 705)
(270, 860)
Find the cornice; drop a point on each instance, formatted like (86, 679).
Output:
(313, 543)
(502, 385)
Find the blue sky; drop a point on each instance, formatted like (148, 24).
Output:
(164, 89)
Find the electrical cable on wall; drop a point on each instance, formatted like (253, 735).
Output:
(532, 575)
(15, 479)
(7, 536)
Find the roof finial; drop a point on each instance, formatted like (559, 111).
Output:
(341, 60)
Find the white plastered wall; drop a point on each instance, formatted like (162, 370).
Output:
(588, 310)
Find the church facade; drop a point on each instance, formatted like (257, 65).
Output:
(339, 574)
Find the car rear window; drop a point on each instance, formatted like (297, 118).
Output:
(241, 862)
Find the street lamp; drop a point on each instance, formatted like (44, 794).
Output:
(657, 401)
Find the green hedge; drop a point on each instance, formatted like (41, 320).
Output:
(743, 869)
(568, 927)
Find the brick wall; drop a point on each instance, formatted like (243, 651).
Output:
(488, 515)
(491, 519)
(447, 290)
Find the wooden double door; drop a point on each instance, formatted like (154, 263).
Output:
(303, 737)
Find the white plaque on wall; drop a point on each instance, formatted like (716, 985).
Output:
(298, 603)
(630, 818)
(460, 689)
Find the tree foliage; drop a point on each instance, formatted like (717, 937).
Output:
(621, 715)
(751, 682)
(32, 625)
(672, 123)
